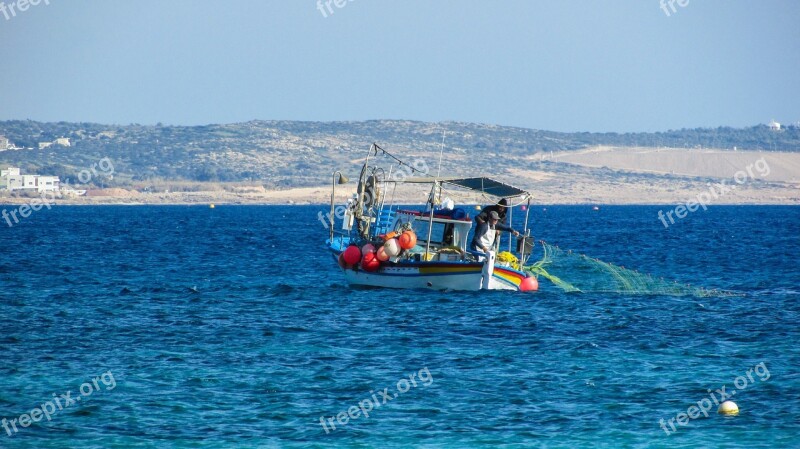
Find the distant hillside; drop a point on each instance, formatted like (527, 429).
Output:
(296, 154)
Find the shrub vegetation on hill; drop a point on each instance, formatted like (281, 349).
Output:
(296, 154)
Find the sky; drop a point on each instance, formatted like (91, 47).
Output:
(566, 65)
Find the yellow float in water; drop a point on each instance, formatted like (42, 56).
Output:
(728, 408)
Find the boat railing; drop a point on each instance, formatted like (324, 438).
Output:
(385, 221)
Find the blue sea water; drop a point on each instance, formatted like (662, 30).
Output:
(192, 327)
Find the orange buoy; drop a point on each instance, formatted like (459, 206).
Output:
(370, 262)
(408, 240)
(529, 284)
(352, 255)
(381, 254)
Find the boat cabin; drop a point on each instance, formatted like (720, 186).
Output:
(449, 231)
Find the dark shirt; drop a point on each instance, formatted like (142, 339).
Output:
(484, 215)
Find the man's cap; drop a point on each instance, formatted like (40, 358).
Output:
(494, 215)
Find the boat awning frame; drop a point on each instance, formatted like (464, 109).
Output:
(482, 184)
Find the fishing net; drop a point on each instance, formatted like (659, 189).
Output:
(509, 259)
(579, 273)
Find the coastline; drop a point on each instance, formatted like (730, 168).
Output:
(595, 175)
(578, 194)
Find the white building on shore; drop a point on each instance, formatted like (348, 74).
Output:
(12, 179)
(6, 144)
(775, 126)
(63, 141)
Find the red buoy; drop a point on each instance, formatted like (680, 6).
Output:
(370, 262)
(352, 255)
(529, 284)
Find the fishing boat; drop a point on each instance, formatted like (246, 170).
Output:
(380, 244)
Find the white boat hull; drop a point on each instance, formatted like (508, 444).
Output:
(433, 276)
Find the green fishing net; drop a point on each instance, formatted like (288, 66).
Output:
(579, 273)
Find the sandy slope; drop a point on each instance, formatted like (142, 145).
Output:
(778, 166)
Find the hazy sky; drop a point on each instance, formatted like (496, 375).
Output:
(589, 65)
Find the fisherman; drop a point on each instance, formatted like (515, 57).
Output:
(501, 208)
(485, 233)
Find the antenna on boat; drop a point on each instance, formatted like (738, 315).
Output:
(441, 152)
(432, 198)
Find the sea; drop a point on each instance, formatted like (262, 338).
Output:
(232, 327)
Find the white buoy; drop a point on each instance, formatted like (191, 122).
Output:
(728, 408)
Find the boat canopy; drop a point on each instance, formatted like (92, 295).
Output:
(481, 184)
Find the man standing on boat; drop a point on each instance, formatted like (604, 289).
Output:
(500, 208)
(486, 232)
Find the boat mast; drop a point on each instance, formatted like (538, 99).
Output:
(430, 218)
(526, 234)
(441, 151)
(433, 196)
